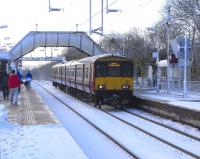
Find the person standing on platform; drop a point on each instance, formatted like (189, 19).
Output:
(4, 81)
(13, 84)
(20, 78)
(28, 80)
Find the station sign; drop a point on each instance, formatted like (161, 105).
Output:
(178, 47)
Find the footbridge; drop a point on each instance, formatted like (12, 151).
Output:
(35, 39)
(60, 59)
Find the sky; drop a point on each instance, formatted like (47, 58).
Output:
(21, 16)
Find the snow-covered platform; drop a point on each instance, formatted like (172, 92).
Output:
(30, 110)
(30, 130)
(37, 141)
(171, 105)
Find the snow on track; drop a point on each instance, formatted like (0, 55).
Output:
(180, 140)
(142, 145)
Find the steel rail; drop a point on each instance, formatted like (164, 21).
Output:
(148, 133)
(154, 136)
(103, 132)
(163, 125)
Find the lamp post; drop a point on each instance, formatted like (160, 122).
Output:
(76, 27)
(36, 27)
(157, 58)
(185, 68)
(168, 27)
(168, 83)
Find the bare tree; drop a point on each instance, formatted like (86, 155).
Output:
(132, 44)
(186, 19)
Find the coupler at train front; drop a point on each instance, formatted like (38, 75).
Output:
(116, 99)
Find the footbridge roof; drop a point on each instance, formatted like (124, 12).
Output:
(35, 39)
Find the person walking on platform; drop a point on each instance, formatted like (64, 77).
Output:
(20, 78)
(5, 84)
(13, 84)
(28, 80)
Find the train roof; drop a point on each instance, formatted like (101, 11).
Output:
(92, 59)
(70, 62)
(57, 65)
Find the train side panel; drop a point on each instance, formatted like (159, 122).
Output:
(88, 81)
(63, 74)
(67, 79)
(73, 76)
(79, 76)
(104, 77)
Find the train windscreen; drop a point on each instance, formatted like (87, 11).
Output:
(114, 69)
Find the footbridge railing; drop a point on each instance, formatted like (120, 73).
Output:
(35, 39)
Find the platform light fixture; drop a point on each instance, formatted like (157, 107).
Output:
(3, 26)
(54, 9)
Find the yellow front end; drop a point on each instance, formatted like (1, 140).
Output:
(114, 83)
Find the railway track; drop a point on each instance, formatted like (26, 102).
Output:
(134, 156)
(159, 138)
(171, 144)
(162, 125)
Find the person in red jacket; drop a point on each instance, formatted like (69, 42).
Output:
(13, 84)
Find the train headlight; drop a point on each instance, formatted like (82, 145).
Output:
(125, 87)
(101, 86)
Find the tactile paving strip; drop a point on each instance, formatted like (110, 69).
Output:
(30, 110)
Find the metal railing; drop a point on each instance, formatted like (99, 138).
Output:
(176, 85)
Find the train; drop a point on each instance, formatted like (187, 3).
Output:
(106, 79)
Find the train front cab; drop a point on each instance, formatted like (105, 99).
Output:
(113, 81)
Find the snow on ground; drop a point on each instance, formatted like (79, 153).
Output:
(95, 144)
(183, 127)
(3, 113)
(136, 141)
(53, 141)
(168, 135)
(36, 141)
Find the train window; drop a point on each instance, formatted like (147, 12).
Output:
(79, 72)
(72, 72)
(126, 69)
(86, 72)
(113, 69)
(100, 69)
(67, 71)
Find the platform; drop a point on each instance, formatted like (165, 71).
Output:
(30, 110)
(171, 105)
(32, 131)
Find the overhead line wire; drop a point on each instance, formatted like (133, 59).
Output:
(98, 13)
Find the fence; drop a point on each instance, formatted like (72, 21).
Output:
(175, 85)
